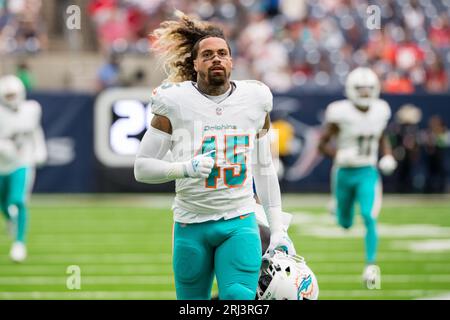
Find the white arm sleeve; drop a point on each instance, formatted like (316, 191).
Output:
(266, 183)
(149, 166)
(40, 148)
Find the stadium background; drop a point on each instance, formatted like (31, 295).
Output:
(303, 50)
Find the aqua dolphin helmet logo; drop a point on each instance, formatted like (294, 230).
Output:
(305, 287)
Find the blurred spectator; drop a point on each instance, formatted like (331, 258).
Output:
(303, 43)
(22, 28)
(109, 74)
(437, 141)
(122, 25)
(405, 142)
(407, 53)
(398, 82)
(23, 72)
(307, 44)
(440, 31)
(436, 77)
(414, 16)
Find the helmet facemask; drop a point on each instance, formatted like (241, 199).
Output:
(362, 87)
(11, 100)
(12, 92)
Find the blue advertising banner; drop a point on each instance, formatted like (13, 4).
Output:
(67, 121)
(92, 141)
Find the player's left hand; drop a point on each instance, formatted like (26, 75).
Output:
(280, 241)
(387, 164)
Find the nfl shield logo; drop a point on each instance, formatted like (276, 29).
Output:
(219, 111)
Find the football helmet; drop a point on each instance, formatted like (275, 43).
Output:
(12, 91)
(285, 277)
(362, 87)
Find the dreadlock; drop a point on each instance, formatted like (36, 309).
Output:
(177, 42)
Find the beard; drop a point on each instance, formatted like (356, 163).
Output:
(217, 79)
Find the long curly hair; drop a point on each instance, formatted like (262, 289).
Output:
(176, 44)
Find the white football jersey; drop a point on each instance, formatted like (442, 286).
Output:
(19, 127)
(359, 132)
(200, 125)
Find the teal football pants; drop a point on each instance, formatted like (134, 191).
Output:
(359, 185)
(13, 194)
(228, 249)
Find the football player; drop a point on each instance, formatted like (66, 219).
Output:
(357, 125)
(22, 147)
(216, 130)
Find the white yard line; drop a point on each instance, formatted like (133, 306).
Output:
(86, 280)
(345, 257)
(168, 279)
(92, 243)
(89, 295)
(163, 295)
(391, 278)
(445, 296)
(164, 201)
(424, 246)
(161, 201)
(89, 269)
(345, 294)
(143, 257)
(323, 225)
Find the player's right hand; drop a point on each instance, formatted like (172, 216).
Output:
(200, 166)
(8, 151)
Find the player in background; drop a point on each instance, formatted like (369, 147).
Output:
(22, 148)
(214, 128)
(358, 124)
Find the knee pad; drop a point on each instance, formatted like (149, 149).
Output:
(188, 262)
(248, 257)
(237, 291)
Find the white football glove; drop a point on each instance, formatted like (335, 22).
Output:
(387, 164)
(8, 150)
(280, 241)
(200, 166)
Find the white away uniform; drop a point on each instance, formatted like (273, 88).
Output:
(359, 132)
(200, 125)
(21, 137)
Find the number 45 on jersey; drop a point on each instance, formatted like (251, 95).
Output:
(235, 160)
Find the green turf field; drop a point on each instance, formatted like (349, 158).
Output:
(122, 245)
